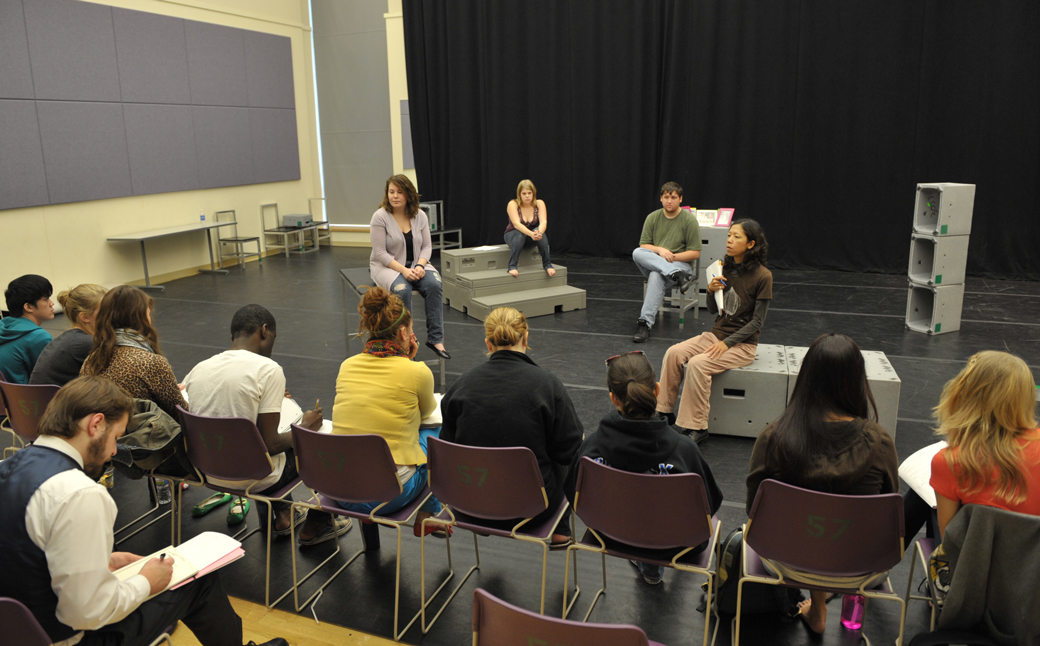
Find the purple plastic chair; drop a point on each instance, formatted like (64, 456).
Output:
(231, 448)
(799, 538)
(358, 469)
(25, 405)
(490, 484)
(19, 626)
(645, 512)
(497, 623)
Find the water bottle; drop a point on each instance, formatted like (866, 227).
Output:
(162, 492)
(202, 216)
(852, 606)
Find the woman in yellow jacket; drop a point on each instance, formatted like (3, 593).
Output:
(383, 391)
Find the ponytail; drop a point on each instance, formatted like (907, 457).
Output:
(631, 379)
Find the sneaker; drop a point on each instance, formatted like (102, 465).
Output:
(340, 526)
(697, 436)
(298, 517)
(277, 641)
(650, 579)
(642, 332)
(238, 511)
(685, 280)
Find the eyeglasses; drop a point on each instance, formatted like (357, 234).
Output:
(607, 362)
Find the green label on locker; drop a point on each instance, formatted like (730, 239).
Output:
(938, 326)
(938, 278)
(943, 229)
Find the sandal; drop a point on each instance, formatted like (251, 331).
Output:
(209, 504)
(340, 526)
(561, 545)
(298, 517)
(432, 529)
(238, 511)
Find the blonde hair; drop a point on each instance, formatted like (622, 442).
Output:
(504, 327)
(982, 413)
(526, 185)
(82, 299)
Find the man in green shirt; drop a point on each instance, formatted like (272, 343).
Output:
(671, 240)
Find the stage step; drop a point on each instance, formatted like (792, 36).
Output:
(532, 302)
(476, 259)
(497, 281)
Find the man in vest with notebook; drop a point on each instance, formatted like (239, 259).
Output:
(57, 538)
(244, 381)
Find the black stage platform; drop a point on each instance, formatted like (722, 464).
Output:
(305, 295)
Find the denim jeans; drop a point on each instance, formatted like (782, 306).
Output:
(660, 275)
(518, 242)
(429, 287)
(409, 490)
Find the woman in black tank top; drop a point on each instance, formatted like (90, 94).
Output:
(528, 220)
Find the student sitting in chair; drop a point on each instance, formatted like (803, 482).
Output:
(670, 241)
(57, 537)
(634, 438)
(22, 340)
(61, 360)
(245, 382)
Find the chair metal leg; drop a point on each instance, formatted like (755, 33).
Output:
(571, 553)
(297, 582)
(155, 497)
(451, 573)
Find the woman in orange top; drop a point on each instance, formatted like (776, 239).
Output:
(987, 415)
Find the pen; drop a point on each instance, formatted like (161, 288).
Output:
(162, 556)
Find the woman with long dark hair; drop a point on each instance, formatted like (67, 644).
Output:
(400, 259)
(126, 350)
(827, 439)
(747, 287)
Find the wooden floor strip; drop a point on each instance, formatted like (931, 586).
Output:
(261, 625)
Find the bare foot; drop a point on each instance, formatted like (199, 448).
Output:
(814, 615)
(439, 346)
(514, 273)
(551, 272)
(560, 538)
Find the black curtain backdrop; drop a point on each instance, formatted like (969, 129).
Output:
(816, 118)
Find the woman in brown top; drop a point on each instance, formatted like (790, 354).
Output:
(126, 350)
(825, 441)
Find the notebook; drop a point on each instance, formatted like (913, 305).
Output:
(201, 555)
(916, 471)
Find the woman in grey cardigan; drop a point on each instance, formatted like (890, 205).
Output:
(401, 251)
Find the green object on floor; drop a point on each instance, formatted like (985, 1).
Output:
(209, 504)
(238, 511)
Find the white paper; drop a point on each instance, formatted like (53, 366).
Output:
(714, 270)
(916, 471)
(207, 548)
(435, 419)
(291, 414)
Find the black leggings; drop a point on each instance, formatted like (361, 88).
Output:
(918, 513)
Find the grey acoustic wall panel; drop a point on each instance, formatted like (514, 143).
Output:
(22, 180)
(161, 143)
(153, 57)
(84, 150)
(223, 146)
(269, 70)
(15, 76)
(216, 64)
(72, 50)
(276, 151)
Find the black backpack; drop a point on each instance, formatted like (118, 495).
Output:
(758, 598)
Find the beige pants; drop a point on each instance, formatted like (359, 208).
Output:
(688, 359)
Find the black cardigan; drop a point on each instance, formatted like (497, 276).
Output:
(510, 401)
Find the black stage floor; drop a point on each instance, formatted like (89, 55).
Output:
(304, 293)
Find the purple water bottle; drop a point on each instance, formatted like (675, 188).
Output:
(852, 611)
